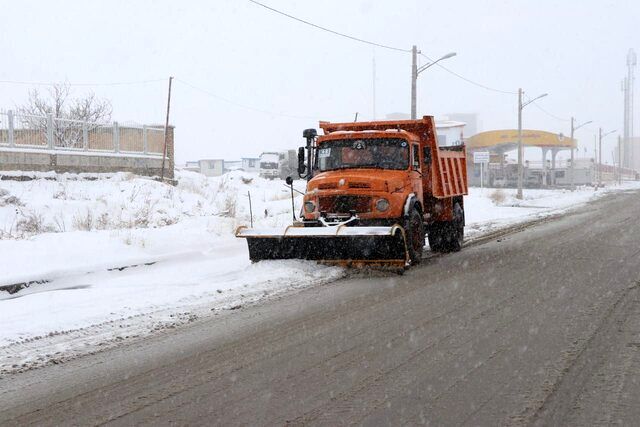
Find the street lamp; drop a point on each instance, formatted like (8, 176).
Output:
(414, 74)
(520, 153)
(573, 129)
(601, 135)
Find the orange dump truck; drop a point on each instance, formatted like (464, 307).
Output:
(374, 191)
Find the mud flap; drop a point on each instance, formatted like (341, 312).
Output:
(339, 245)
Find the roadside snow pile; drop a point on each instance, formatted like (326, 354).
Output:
(489, 209)
(61, 203)
(57, 224)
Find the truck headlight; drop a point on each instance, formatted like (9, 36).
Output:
(382, 205)
(309, 207)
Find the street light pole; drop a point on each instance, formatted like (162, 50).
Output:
(572, 156)
(600, 136)
(573, 129)
(414, 79)
(599, 157)
(414, 75)
(619, 160)
(520, 154)
(520, 149)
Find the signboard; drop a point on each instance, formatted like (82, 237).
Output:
(480, 157)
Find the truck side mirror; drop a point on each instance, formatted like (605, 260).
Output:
(426, 154)
(301, 166)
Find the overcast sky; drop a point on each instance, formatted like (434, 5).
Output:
(239, 51)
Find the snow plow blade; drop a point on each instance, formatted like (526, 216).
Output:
(350, 246)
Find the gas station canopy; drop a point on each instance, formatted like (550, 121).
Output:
(507, 140)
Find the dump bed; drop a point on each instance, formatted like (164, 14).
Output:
(447, 176)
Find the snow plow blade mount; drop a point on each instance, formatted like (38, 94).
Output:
(350, 246)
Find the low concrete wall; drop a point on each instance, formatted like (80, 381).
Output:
(81, 163)
(39, 160)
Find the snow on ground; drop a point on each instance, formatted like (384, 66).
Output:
(185, 261)
(488, 209)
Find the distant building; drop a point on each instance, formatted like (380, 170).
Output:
(251, 164)
(450, 132)
(471, 120)
(212, 167)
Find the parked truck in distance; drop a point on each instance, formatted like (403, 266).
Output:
(288, 163)
(374, 190)
(269, 165)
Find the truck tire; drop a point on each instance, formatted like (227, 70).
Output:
(448, 236)
(436, 237)
(455, 230)
(414, 233)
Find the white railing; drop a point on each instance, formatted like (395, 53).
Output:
(51, 133)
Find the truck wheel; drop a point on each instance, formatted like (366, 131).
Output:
(414, 233)
(455, 229)
(436, 237)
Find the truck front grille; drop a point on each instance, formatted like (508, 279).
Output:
(345, 204)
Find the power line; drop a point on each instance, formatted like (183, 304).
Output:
(237, 104)
(550, 114)
(330, 30)
(18, 82)
(469, 80)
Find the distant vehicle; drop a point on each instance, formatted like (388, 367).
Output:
(269, 165)
(288, 163)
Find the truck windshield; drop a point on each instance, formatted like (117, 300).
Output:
(379, 153)
(268, 165)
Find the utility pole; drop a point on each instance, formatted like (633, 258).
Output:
(631, 64)
(619, 160)
(628, 88)
(414, 79)
(625, 130)
(599, 157)
(520, 154)
(572, 169)
(573, 130)
(600, 136)
(166, 132)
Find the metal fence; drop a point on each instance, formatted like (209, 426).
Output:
(47, 132)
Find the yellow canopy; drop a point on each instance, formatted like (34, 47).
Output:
(507, 139)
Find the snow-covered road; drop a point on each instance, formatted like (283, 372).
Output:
(196, 266)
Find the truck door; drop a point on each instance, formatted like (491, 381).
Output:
(416, 171)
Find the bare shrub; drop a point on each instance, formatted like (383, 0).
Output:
(61, 194)
(229, 208)
(83, 222)
(103, 221)
(246, 180)
(32, 223)
(498, 197)
(60, 224)
(142, 218)
(7, 199)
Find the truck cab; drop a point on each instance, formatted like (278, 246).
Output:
(364, 174)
